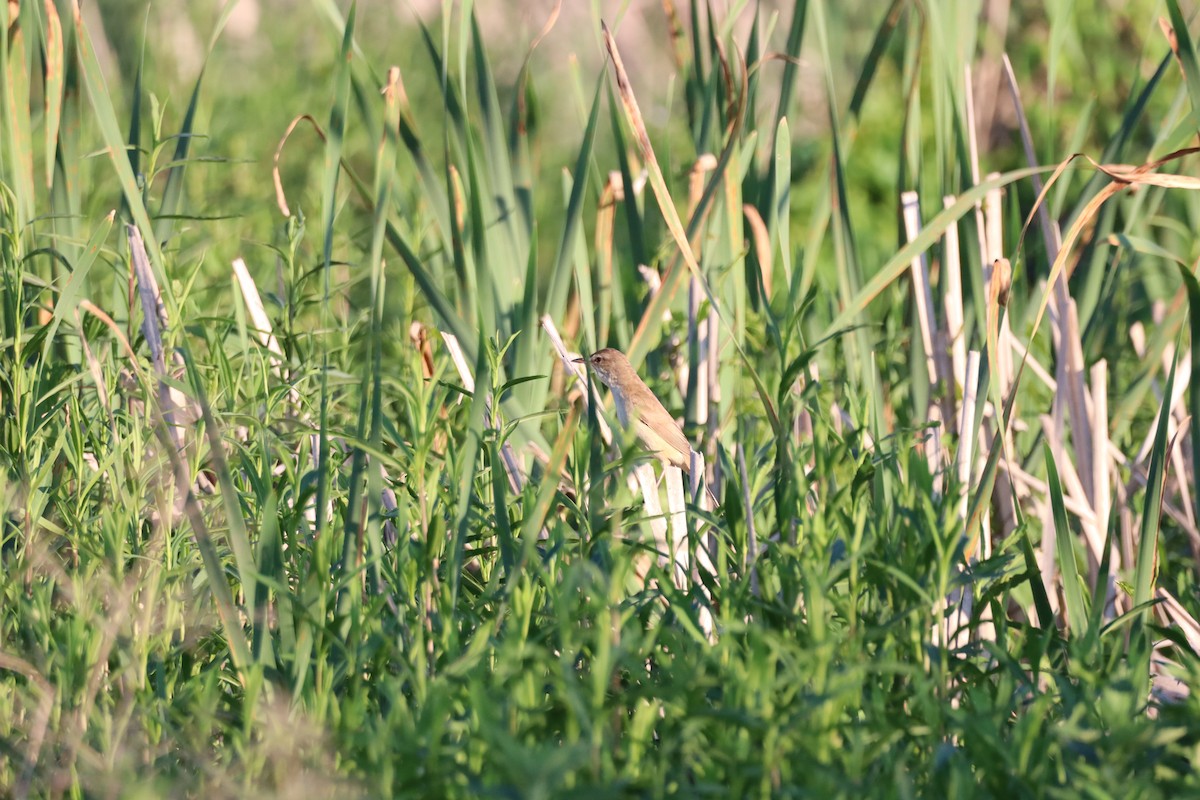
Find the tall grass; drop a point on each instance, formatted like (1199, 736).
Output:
(340, 518)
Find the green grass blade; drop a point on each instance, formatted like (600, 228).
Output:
(335, 134)
(1186, 53)
(875, 56)
(500, 173)
(135, 115)
(1064, 540)
(560, 275)
(467, 457)
(1146, 566)
(269, 558)
(72, 293)
(583, 273)
(930, 234)
(1192, 287)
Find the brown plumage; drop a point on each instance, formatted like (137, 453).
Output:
(637, 405)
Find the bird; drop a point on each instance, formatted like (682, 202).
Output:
(637, 406)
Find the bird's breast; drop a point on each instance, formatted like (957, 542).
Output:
(622, 405)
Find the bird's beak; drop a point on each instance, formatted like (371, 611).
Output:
(578, 360)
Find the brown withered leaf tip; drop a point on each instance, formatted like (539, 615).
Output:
(1002, 280)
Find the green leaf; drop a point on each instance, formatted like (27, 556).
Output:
(1064, 540)
(1187, 54)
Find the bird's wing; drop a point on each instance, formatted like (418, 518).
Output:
(676, 439)
(668, 441)
(657, 428)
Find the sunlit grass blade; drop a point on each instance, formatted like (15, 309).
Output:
(791, 69)
(671, 281)
(779, 211)
(55, 83)
(879, 45)
(584, 289)
(634, 226)
(15, 122)
(270, 565)
(535, 515)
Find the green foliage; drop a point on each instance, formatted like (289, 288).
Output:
(325, 559)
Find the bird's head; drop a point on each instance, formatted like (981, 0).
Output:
(608, 364)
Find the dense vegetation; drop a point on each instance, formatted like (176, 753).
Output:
(338, 518)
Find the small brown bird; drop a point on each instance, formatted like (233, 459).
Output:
(636, 405)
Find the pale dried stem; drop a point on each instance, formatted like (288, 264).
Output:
(580, 373)
(953, 302)
(973, 150)
(1047, 557)
(750, 558)
(685, 570)
(922, 293)
(697, 335)
(678, 554)
(1172, 612)
(47, 698)
(653, 287)
(956, 630)
(1077, 400)
(1101, 482)
(1072, 504)
(1182, 380)
(175, 408)
(644, 475)
(993, 238)
(1074, 488)
(714, 399)
(1051, 236)
(966, 425)
(927, 322)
